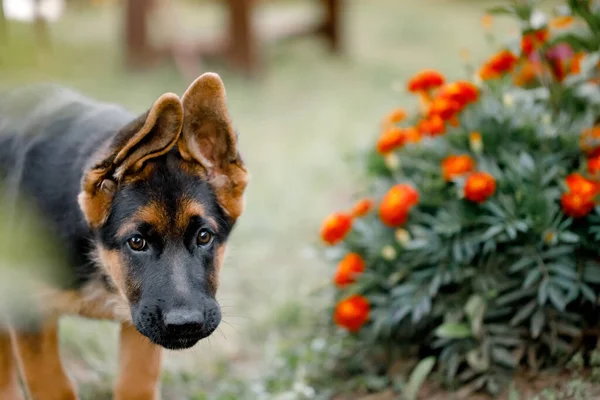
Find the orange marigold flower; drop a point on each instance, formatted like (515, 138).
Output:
(433, 125)
(576, 205)
(499, 64)
(395, 116)
(362, 208)
(445, 108)
(455, 166)
(575, 64)
(335, 227)
(352, 312)
(411, 135)
(348, 269)
(580, 185)
(391, 139)
(397, 202)
(425, 80)
(593, 165)
(561, 22)
(590, 141)
(462, 92)
(533, 40)
(479, 187)
(528, 73)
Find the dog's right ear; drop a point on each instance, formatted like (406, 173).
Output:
(151, 135)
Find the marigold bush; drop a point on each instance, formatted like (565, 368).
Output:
(479, 243)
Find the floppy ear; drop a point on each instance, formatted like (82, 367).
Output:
(150, 135)
(208, 139)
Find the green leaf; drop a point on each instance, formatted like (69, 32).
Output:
(451, 330)
(543, 291)
(532, 277)
(417, 378)
(591, 273)
(503, 356)
(521, 264)
(588, 293)
(537, 323)
(524, 313)
(557, 298)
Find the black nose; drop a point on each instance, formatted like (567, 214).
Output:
(181, 321)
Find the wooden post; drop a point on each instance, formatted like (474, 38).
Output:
(243, 46)
(332, 26)
(41, 26)
(136, 32)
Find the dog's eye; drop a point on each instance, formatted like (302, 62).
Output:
(137, 243)
(204, 237)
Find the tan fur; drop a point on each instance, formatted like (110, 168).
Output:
(9, 379)
(208, 138)
(40, 363)
(150, 136)
(139, 364)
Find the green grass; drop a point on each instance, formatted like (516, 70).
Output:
(299, 128)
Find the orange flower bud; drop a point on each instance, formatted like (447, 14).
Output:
(462, 92)
(335, 227)
(425, 80)
(411, 135)
(362, 208)
(395, 205)
(390, 140)
(487, 21)
(593, 165)
(479, 187)
(590, 141)
(352, 313)
(394, 117)
(561, 22)
(475, 142)
(576, 205)
(348, 269)
(455, 166)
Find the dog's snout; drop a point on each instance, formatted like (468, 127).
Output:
(181, 320)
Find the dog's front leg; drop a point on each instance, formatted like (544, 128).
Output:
(41, 367)
(9, 379)
(139, 365)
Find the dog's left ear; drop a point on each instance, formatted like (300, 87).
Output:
(208, 139)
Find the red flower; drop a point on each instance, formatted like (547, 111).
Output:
(533, 40)
(335, 227)
(454, 166)
(425, 80)
(348, 269)
(396, 204)
(362, 208)
(352, 312)
(576, 205)
(479, 187)
(498, 64)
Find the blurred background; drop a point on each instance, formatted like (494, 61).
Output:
(304, 112)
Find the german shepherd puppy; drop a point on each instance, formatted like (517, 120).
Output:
(144, 206)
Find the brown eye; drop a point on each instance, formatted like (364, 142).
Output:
(204, 237)
(137, 243)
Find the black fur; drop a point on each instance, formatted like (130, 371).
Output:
(47, 138)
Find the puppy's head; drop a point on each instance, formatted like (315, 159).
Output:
(162, 197)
